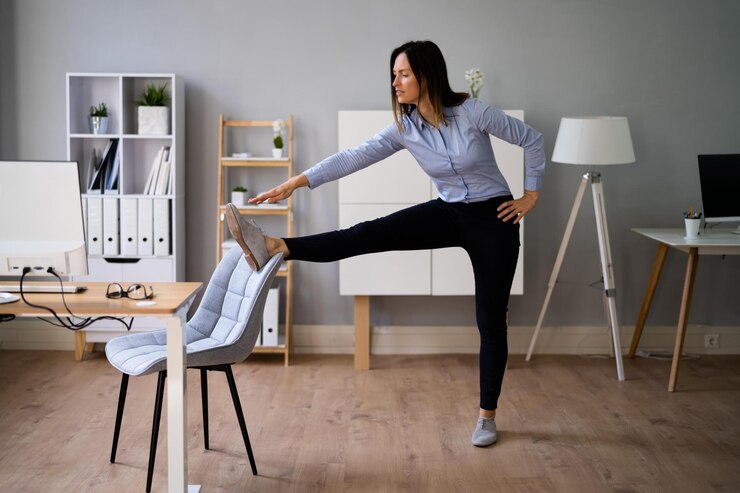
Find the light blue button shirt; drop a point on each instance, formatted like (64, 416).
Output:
(458, 156)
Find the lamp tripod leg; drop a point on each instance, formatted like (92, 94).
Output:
(609, 323)
(558, 262)
(607, 268)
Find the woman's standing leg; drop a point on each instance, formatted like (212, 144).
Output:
(493, 247)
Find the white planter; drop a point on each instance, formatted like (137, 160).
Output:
(277, 153)
(154, 120)
(239, 199)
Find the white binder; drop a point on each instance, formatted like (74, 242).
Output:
(94, 226)
(129, 230)
(110, 226)
(161, 226)
(270, 318)
(145, 227)
(259, 340)
(84, 212)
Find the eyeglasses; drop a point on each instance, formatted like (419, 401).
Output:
(135, 292)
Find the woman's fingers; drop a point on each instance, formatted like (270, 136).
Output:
(514, 209)
(282, 191)
(261, 197)
(510, 213)
(271, 196)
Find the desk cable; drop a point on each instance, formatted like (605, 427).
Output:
(69, 323)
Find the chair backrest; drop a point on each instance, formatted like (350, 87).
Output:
(231, 309)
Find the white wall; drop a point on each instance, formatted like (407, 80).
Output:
(670, 66)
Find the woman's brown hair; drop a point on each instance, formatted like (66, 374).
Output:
(429, 67)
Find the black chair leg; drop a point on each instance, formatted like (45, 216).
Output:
(240, 416)
(204, 400)
(119, 416)
(155, 429)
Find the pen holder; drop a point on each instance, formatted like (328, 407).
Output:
(692, 228)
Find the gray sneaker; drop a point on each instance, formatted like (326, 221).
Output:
(485, 432)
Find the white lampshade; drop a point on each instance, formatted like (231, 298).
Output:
(594, 140)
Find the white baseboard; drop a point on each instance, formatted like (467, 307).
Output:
(339, 339)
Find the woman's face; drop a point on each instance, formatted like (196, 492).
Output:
(404, 82)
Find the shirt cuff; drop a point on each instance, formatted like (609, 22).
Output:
(315, 177)
(533, 183)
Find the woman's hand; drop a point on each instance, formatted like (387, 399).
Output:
(518, 208)
(281, 192)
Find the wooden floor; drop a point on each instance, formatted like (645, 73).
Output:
(565, 424)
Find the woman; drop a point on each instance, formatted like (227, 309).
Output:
(447, 133)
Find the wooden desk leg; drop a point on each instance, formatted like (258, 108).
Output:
(80, 340)
(362, 332)
(648, 300)
(683, 317)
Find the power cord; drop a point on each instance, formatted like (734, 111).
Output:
(69, 323)
(664, 356)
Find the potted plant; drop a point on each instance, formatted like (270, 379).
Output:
(277, 150)
(277, 139)
(239, 196)
(99, 119)
(154, 115)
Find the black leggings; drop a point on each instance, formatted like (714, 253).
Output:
(492, 245)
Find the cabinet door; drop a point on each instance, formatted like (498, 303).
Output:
(141, 270)
(396, 179)
(101, 271)
(148, 270)
(387, 273)
(452, 272)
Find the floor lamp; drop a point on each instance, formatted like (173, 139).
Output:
(591, 141)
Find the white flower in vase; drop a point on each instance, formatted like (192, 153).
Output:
(474, 78)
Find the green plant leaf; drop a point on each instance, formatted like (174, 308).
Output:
(154, 95)
(100, 110)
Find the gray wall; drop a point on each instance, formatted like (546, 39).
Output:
(669, 66)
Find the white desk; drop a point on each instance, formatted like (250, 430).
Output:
(173, 300)
(720, 242)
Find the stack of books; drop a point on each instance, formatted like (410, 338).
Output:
(160, 177)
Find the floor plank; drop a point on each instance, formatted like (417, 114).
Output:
(565, 424)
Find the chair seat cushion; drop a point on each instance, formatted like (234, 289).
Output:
(138, 354)
(145, 353)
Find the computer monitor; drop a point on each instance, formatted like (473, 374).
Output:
(719, 175)
(41, 218)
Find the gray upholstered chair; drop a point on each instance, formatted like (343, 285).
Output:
(223, 331)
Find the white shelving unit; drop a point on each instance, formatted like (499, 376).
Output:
(120, 92)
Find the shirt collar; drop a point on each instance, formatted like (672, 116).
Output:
(419, 123)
